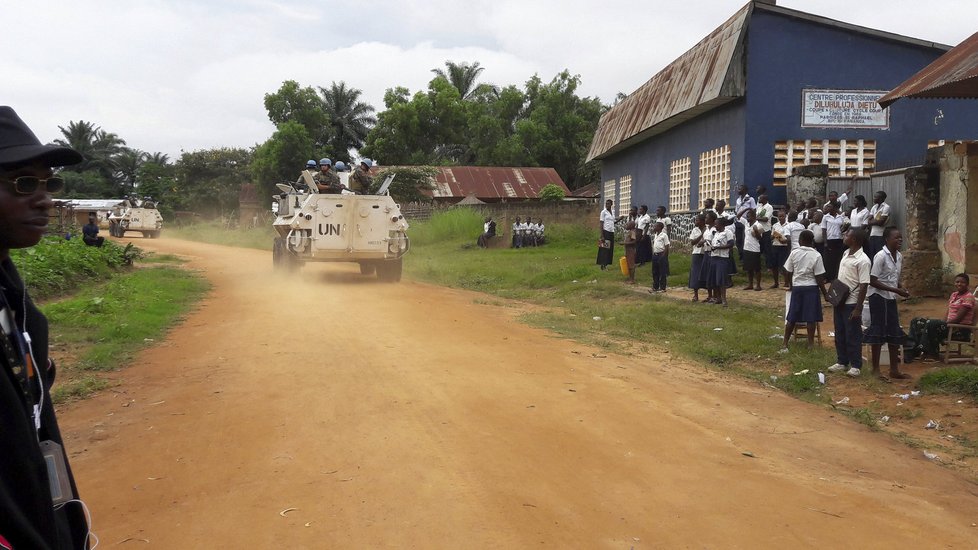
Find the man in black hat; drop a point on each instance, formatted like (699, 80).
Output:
(39, 505)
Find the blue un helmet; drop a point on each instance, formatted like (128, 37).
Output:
(311, 164)
(367, 162)
(325, 162)
(340, 167)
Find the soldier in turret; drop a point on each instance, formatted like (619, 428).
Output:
(361, 181)
(326, 180)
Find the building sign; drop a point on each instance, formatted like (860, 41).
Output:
(843, 109)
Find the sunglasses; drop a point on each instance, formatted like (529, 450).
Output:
(27, 185)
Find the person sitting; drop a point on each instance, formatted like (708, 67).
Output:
(488, 231)
(517, 233)
(90, 232)
(926, 335)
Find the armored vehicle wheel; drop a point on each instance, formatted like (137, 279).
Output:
(367, 268)
(389, 271)
(155, 234)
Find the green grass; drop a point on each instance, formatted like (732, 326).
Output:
(215, 232)
(106, 324)
(56, 266)
(957, 380)
(563, 278)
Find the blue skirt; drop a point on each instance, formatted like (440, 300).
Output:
(697, 279)
(884, 322)
(720, 273)
(806, 305)
(705, 271)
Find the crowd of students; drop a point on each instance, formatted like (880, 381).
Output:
(527, 232)
(848, 256)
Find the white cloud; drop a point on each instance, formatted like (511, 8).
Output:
(190, 75)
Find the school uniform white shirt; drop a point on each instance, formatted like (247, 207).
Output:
(607, 221)
(804, 263)
(887, 270)
(540, 228)
(858, 218)
(854, 271)
(516, 227)
(524, 227)
(643, 223)
(665, 221)
(832, 226)
(841, 200)
(660, 241)
(741, 206)
(765, 211)
(730, 231)
(819, 237)
(794, 230)
(878, 212)
(694, 234)
(720, 238)
(752, 243)
(783, 230)
(708, 235)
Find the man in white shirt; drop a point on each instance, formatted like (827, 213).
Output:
(666, 221)
(831, 229)
(488, 232)
(879, 215)
(752, 251)
(606, 244)
(833, 196)
(793, 228)
(854, 271)
(643, 250)
(517, 233)
(743, 203)
(884, 323)
(765, 215)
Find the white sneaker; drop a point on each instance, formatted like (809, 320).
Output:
(854, 372)
(838, 367)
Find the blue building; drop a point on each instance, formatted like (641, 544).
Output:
(770, 90)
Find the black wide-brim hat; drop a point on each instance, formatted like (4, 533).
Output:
(19, 145)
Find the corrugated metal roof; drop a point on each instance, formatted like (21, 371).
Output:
(952, 75)
(493, 182)
(709, 74)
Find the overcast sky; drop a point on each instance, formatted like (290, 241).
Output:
(181, 75)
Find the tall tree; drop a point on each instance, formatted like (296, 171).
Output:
(464, 77)
(127, 165)
(293, 103)
(208, 181)
(349, 118)
(282, 157)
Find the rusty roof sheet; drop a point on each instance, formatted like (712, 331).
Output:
(709, 74)
(493, 182)
(952, 75)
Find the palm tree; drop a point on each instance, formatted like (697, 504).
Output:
(127, 164)
(350, 118)
(161, 159)
(463, 76)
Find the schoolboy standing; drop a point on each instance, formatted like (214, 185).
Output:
(752, 251)
(780, 246)
(854, 269)
(884, 320)
(879, 215)
(660, 257)
(696, 263)
(720, 261)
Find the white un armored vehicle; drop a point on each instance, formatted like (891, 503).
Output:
(320, 227)
(136, 215)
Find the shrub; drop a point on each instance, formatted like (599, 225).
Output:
(57, 265)
(551, 193)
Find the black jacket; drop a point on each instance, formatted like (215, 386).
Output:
(28, 519)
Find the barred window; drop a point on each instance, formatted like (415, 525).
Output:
(624, 195)
(609, 190)
(715, 174)
(679, 185)
(844, 157)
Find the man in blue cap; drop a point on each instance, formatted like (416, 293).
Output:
(39, 505)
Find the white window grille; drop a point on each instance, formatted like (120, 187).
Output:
(715, 174)
(679, 185)
(844, 157)
(624, 195)
(609, 190)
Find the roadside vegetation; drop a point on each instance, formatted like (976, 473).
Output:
(217, 232)
(102, 310)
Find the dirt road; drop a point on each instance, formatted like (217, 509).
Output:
(410, 416)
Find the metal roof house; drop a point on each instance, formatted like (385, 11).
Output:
(770, 90)
(492, 183)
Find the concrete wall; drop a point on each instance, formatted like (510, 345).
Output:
(957, 228)
(922, 267)
(583, 213)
